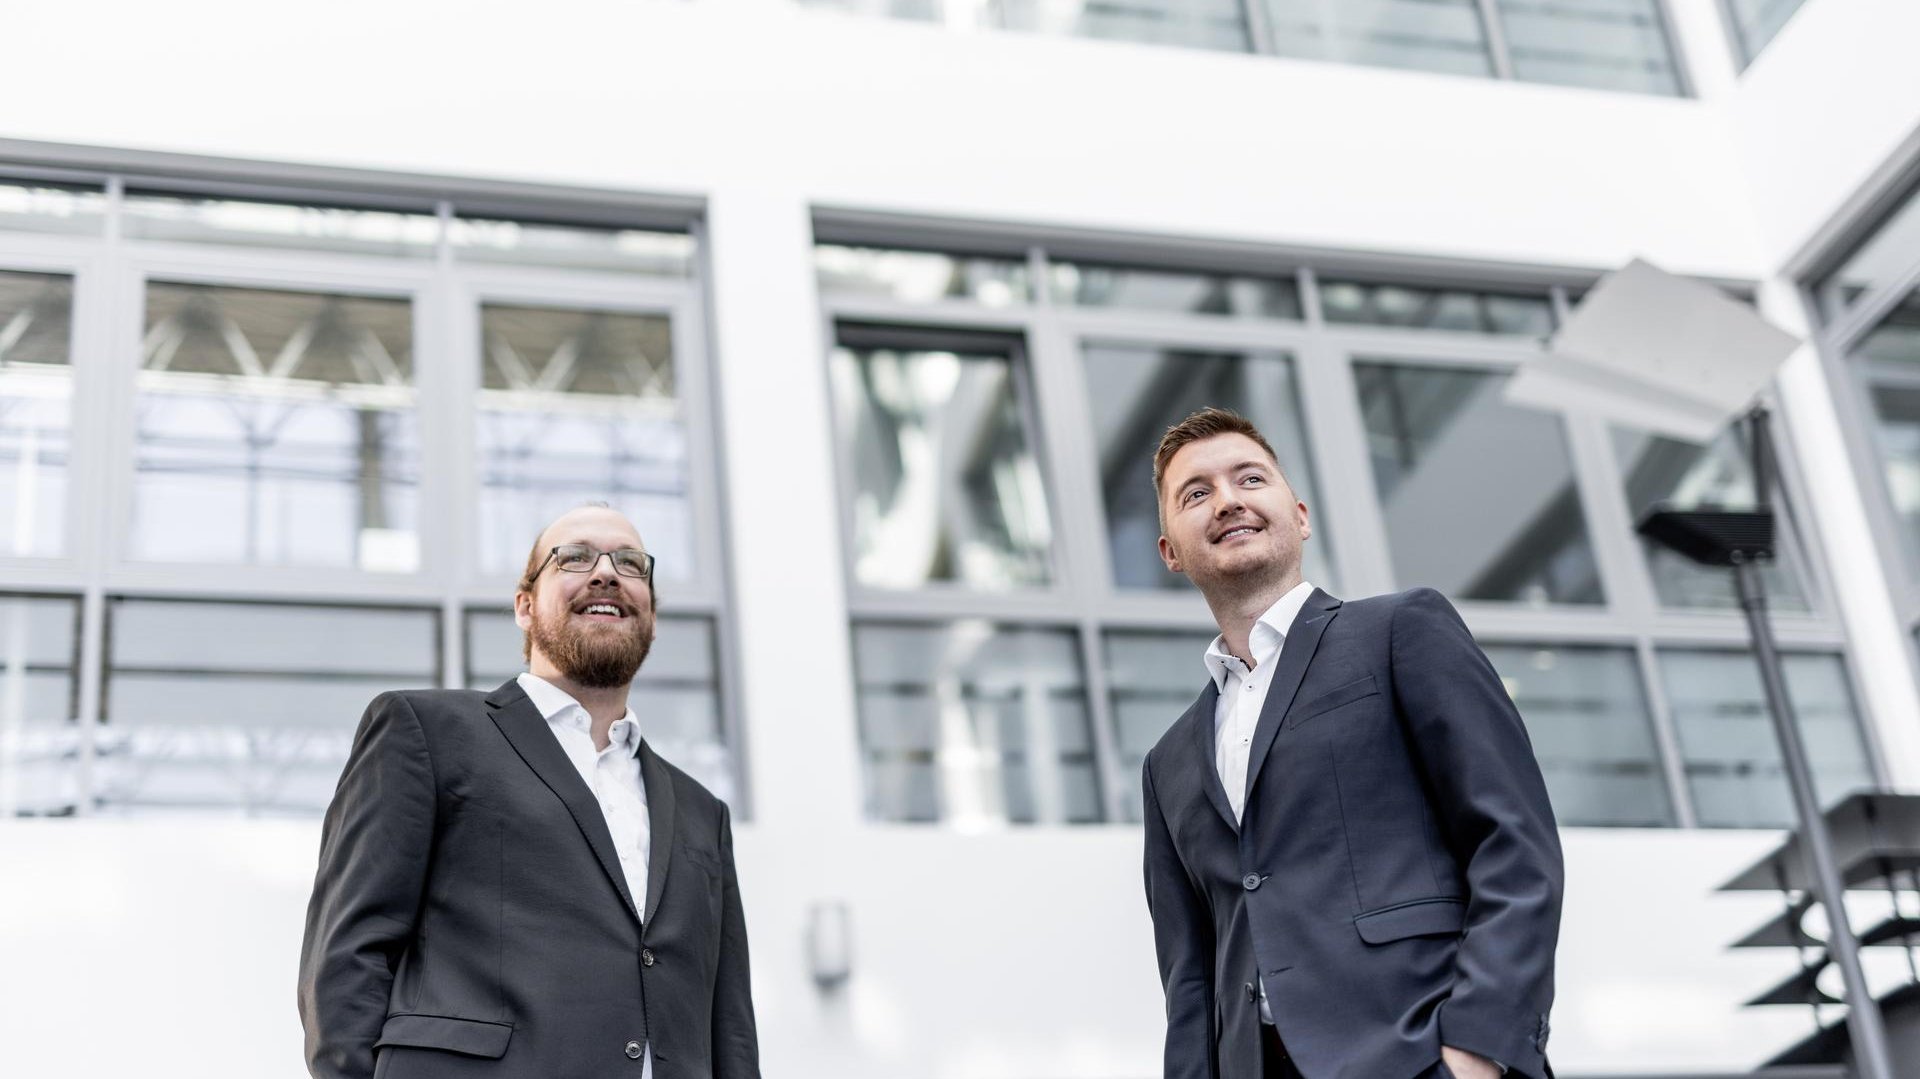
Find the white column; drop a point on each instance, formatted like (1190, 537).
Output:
(1863, 593)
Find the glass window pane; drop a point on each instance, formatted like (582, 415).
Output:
(36, 404)
(1407, 306)
(578, 406)
(921, 276)
(1659, 469)
(676, 694)
(1447, 36)
(919, 10)
(276, 428)
(1755, 22)
(1586, 713)
(1727, 737)
(946, 486)
(1198, 24)
(1092, 285)
(1152, 679)
(1889, 360)
(1604, 44)
(1137, 392)
(278, 224)
(262, 720)
(1891, 251)
(975, 725)
(39, 697)
(34, 207)
(526, 243)
(1478, 495)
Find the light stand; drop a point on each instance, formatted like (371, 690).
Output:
(1743, 540)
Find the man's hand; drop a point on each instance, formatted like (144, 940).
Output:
(1465, 1065)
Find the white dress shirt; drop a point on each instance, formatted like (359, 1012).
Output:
(1243, 692)
(613, 775)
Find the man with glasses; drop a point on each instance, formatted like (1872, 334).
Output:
(517, 877)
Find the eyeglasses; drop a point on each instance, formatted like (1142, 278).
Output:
(580, 558)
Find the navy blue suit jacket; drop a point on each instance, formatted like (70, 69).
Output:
(1396, 877)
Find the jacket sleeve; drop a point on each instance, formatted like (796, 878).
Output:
(1491, 801)
(374, 847)
(1183, 940)
(736, 1042)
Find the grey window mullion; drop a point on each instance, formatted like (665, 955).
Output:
(1666, 736)
(1610, 520)
(93, 683)
(1106, 746)
(1260, 32)
(1067, 444)
(1496, 38)
(1676, 54)
(1331, 404)
(1871, 308)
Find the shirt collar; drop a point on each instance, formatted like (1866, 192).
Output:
(1269, 632)
(558, 707)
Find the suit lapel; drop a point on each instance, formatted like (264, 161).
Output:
(1199, 721)
(660, 818)
(526, 729)
(1295, 653)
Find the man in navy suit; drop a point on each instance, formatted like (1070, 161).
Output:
(1351, 863)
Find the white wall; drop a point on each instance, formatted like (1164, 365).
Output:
(167, 947)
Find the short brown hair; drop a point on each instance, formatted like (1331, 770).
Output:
(1206, 423)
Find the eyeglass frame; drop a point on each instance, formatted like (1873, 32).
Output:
(598, 554)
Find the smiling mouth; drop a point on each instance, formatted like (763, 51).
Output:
(1232, 533)
(602, 612)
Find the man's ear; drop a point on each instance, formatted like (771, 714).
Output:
(523, 610)
(1306, 525)
(1168, 556)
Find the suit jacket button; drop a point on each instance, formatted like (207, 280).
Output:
(1250, 881)
(634, 1050)
(646, 957)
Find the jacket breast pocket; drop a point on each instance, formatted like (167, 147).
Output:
(1347, 693)
(1441, 916)
(470, 1037)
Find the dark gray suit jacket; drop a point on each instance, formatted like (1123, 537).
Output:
(470, 917)
(1396, 879)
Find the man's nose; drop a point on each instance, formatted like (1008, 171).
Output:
(608, 575)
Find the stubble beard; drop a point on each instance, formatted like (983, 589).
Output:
(594, 658)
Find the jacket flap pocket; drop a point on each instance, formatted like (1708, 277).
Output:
(1421, 917)
(470, 1036)
(1326, 702)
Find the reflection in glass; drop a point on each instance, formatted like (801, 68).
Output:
(1092, 285)
(1603, 44)
(39, 698)
(1198, 24)
(579, 406)
(36, 404)
(1889, 360)
(1410, 307)
(34, 207)
(1152, 679)
(946, 486)
(676, 695)
(1586, 714)
(1137, 392)
(527, 243)
(275, 428)
(1727, 738)
(974, 725)
(1478, 495)
(1660, 469)
(1890, 252)
(1420, 35)
(921, 276)
(191, 219)
(1755, 22)
(247, 706)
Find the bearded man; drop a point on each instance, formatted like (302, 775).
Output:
(514, 883)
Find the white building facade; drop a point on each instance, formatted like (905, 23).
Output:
(870, 315)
